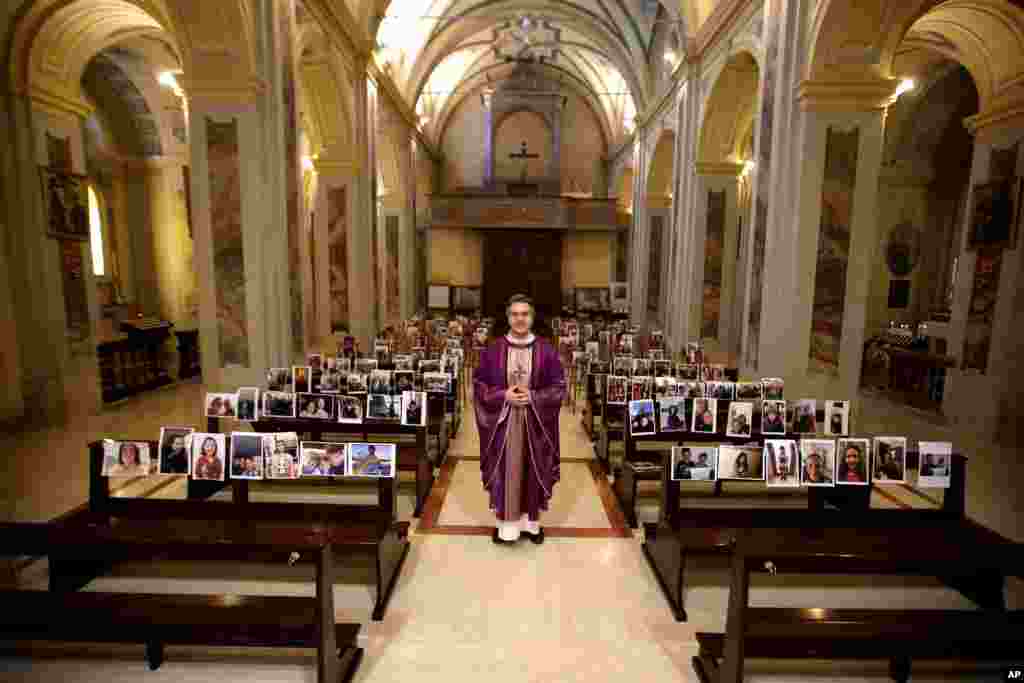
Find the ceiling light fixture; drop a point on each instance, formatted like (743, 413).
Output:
(906, 85)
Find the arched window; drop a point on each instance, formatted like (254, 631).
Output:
(96, 234)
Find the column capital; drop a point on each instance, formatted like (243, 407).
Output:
(335, 167)
(222, 92)
(847, 95)
(725, 168)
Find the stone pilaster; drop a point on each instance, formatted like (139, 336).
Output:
(717, 177)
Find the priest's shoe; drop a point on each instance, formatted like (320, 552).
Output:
(499, 540)
(537, 538)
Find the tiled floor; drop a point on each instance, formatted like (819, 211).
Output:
(573, 609)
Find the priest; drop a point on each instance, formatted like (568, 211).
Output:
(518, 389)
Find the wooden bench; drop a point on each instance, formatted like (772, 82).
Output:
(960, 551)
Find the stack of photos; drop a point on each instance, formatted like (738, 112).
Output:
(616, 390)
(350, 409)
(641, 417)
(805, 417)
(221, 405)
(694, 463)
(209, 452)
(380, 382)
(371, 460)
(773, 388)
(781, 462)
(246, 455)
(854, 461)
(279, 379)
(436, 382)
(321, 459)
(278, 404)
(433, 365)
(316, 406)
(721, 390)
(705, 415)
(356, 383)
(837, 418)
(672, 414)
(302, 380)
(365, 365)
(773, 417)
(174, 445)
(741, 419)
(403, 380)
(281, 455)
(641, 387)
(414, 408)
(748, 391)
(126, 459)
(642, 366)
(248, 401)
(936, 464)
(740, 462)
(623, 365)
(663, 386)
(688, 372)
(889, 464)
(690, 389)
(817, 462)
(383, 406)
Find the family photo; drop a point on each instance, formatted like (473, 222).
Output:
(246, 455)
(316, 406)
(694, 463)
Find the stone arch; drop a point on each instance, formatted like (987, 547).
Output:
(729, 110)
(112, 89)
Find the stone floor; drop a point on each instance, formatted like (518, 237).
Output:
(573, 609)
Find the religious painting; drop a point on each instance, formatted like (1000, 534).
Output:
(694, 463)
(246, 455)
(393, 273)
(888, 463)
(126, 459)
(736, 462)
(654, 264)
(837, 194)
(641, 417)
(781, 463)
(981, 311)
(854, 457)
(935, 464)
(713, 264)
(65, 203)
(817, 462)
(226, 237)
(992, 215)
(337, 256)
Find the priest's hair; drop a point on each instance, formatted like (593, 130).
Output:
(520, 299)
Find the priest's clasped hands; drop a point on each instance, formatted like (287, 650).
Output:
(517, 395)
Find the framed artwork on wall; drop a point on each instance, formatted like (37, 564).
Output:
(65, 203)
(899, 293)
(992, 214)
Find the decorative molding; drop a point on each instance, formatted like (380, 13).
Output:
(987, 122)
(722, 18)
(221, 92)
(725, 168)
(846, 95)
(59, 104)
(332, 168)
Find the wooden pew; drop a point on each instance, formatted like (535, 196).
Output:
(75, 547)
(684, 532)
(961, 549)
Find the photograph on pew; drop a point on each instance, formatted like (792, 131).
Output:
(773, 418)
(817, 462)
(331, 380)
(436, 382)
(694, 463)
(371, 460)
(383, 406)
(380, 382)
(663, 368)
(301, 380)
(599, 367)
(617, 390)
(705, 415)
(315, 406)
(688, 371)
(642, 367)
(774, 388)
(344, 365)
(803, 418)
(430, 365)
(723, 391)
(365, 366)
(690, 389)
(694, 354)
(672, 414)
(322, 459)
(246, 455)
(623, 366)
(221, 405)
(314, 361)
(599, 383)
(741, 419)
(281, 455)
(854, 463)
(837, 418)
(404, 380)
(934, 464)
(641, 387)
(279, 379)
(126, 459)
(173, 446)
(278, 404)
(209, 452)
(740, 462)
(664, 386)
(641, 417)
(714, 372)
(748, 391)
(356, 383)
(404, 363)
(248, 404)
(781, 460)
(414, 408)
(888, 461)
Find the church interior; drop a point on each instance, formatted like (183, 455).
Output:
(200, 198)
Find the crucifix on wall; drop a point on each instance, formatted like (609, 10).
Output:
(525, 156)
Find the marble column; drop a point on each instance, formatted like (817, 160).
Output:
(715, 178)
(335, 180)
(638, 239)
(684, 256)
(362, 306)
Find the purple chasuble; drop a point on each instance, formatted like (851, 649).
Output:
(539, 431)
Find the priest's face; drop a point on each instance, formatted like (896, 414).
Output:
(520, 319)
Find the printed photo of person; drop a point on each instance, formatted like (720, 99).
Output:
(623, 365)
(316, 406)
(641, 417)
(740, 462)
(773, 417)
(383, 406)
(616, 388)
(837, 418)
(330, 381)
(641, 366)
(246, 455)
(126, 459)
(805, 416)
(208, 454)
(350, 409)
(221, 405)
(663, 368)
(853, 461)
(314, 459)
(281, 453)
(663, 386)
(705, 415)
(414, 408)
(356, 383)
(404, 380)
(694, 463)
(691, 389)
(672, 414)
(741, 417)
(688, 372)
(380, 382)
(431, 365)
(279, 379)
(935, 460)
(278, 404)
(301, 378)
(748, 391)
(248, 403)
(723, 391)
(371, 460)
(817, 462)
(889, 462)
(337, 462)
(781, 463)
(174, 450)
(773, 388)
(344, 365)
(694, 356)
(436, 382)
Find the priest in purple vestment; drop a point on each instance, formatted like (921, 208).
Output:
(518, 389)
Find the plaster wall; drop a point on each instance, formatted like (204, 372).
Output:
(583, 148)
(463, 146)
(456, 257)
(587, 259)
